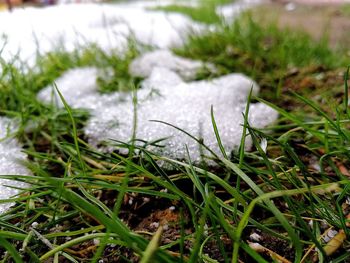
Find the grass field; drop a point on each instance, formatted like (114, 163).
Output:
(288, 202)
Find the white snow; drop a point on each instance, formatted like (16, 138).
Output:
(11, 156)
(186, 68)
(28, 30)
(166, 97)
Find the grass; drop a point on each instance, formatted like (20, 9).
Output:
(85, 205)
(204, 12)
(345, 9)
(245, 47)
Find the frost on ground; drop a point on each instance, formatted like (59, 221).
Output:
(11, 156)
(166, 97)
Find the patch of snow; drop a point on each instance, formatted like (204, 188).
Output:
(79, 88)
(186, 68)
(11, 156)
(31, 30)
(166, 97)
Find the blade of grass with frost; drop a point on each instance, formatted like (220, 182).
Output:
(216, 131)
(75, 133)
(244, 132)
(11, 250)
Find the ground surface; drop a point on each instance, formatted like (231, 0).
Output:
(326, 20)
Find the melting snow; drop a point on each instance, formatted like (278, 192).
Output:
(30, 30)
(186, 68)
(10, 157)
(166, 97)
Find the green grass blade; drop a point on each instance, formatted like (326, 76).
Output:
(216, 131)
(11, 250)
(75, 133)
(152, 247)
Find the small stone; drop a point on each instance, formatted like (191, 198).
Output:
(96, 241)
(255, 237)
(35, 224)
(154, 224)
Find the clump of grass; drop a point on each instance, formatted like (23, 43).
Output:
(248, 47)
(281, 196)
(19, 85)
(345, 9)
(53, 64)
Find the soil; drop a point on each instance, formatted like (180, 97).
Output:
(317, 18)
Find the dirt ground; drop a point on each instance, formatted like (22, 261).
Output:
(318, 18)
(315, 2)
